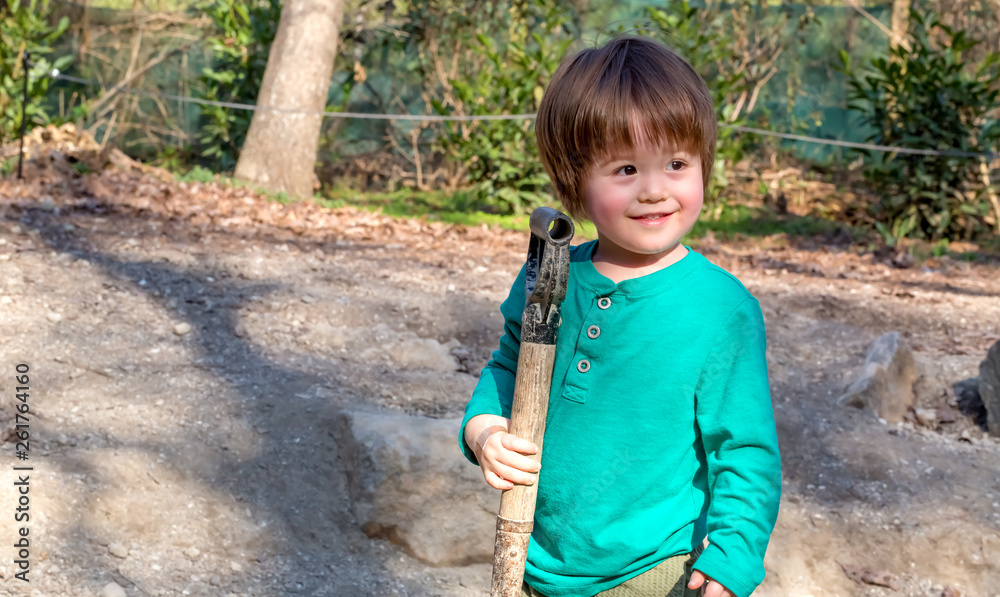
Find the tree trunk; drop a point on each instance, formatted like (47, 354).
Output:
(280, 149)
(900, 20)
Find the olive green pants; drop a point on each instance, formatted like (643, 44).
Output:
(668, 579)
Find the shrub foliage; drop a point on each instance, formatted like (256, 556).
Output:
(241, 36)
(929, 97)
(24, 26)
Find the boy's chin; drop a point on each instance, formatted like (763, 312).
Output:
(659, 251)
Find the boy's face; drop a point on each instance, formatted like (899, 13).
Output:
(642, 202)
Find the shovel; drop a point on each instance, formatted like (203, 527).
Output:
(547, 271)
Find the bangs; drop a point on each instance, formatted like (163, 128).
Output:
(627, 111)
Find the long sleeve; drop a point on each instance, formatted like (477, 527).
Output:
(736, 424)
(494, 394)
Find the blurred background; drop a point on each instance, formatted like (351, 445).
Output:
(846, 70)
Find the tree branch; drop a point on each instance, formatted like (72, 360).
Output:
(111, 93)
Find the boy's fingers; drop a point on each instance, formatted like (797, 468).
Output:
(496, 482)
(715, 590)
(697, 579)
(516, 444)
(519, 462)
(513, 475)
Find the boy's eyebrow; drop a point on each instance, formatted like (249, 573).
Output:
(629, 154)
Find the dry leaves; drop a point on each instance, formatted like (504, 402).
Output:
(120, 185)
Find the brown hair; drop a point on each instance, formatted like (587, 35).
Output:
(603, 98)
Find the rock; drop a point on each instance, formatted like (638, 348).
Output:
(903, 260)
(926, 417)
(409, 483)
(112, 590)
(422, 353)
(866, 576)
(968, 400)
(989, 388)
(182, 328)
(118, 550)
(192, 552)
(886, 382)
(991, 547)
(54, 317)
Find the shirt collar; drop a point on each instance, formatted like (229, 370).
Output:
(584, 272)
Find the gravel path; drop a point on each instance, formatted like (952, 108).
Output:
(191, 345)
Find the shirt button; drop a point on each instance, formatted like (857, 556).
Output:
(583, 366)
(604, 302)
(593, 332)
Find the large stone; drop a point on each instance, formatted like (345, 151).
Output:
(936, 375)
(409, 483)
(886, 382)
(423, 353)
(989, 388)
(113, 590)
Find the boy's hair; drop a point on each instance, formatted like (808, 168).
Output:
(601, 98)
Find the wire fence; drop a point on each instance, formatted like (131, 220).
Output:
(385, 123)
(491, 117)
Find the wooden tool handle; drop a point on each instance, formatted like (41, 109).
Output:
(517, 505)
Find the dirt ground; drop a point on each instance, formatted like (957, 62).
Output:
(191, 345)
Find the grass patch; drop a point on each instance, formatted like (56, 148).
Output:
(726, 222)
(455, 207)
(202, 175)
(733, 222)
(985, 251)
(205, 176)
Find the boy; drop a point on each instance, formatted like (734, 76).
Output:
(660, 429)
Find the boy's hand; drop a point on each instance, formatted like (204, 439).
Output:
(712, 589)
(504, 457)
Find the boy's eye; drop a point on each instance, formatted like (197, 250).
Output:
(676, 165)
(627, 170)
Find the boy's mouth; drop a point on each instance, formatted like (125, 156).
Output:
(650, 217)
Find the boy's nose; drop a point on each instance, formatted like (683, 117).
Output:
(654, 190)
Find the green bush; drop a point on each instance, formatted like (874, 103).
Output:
(243, 32)
(24, 26)
(928, 97)
(501, 156)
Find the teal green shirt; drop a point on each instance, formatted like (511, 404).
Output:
(664, 435)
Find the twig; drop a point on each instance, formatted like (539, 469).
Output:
(107, 131)
(91, 369)
(130, 79)
(901, 41)
(136, 44)
(415, 135)
(985, 172)
(759, 85)
(100, 56)
(739, 107)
